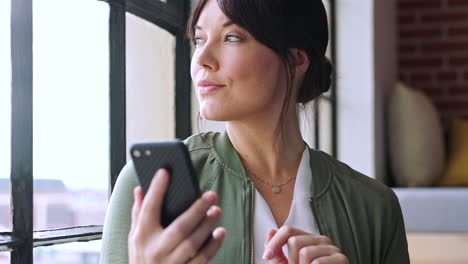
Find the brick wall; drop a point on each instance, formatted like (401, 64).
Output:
(433, 51)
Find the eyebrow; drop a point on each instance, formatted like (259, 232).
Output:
(226, 24)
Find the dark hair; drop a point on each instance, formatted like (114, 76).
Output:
(282, 25)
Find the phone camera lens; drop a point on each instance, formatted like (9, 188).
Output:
(136, 153)
(147, 152)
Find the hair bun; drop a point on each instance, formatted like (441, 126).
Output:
(317, 80)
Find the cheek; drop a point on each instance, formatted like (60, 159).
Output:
(193, 69)
(255, 69)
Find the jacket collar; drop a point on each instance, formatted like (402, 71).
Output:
(229, 155)
(321, 173)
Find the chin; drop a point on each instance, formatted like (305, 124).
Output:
(214, 114)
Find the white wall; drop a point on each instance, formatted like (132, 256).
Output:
(150, 53)
(366, 71)
(355, 80)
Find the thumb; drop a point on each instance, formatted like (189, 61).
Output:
(150, 212)
(279, 258)
(274, 257)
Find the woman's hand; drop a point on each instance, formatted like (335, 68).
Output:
(302, 248)
(180, 242)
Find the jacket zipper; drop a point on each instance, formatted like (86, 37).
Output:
(252, 206)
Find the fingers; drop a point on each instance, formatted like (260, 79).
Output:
(185, 224)
(137, 200)
(193, 243)
(210, 250)
(321, 254)
(280, 257)
(150, 215)
(270, 235)
(295, 243)
(274, 246)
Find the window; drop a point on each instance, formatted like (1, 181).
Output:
(70, 113)
(5, 112)
(67, 110)
(150, 81)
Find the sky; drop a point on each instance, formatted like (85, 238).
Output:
(71, 89)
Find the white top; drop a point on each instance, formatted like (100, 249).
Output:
(300, 215)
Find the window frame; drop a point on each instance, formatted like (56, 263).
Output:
(23, 238)
(170, 16)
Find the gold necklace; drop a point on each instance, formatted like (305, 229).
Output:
(276, 188)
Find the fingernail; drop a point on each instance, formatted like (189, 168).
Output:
(210, 197)
(159, 173)
(211, 211)
(217, 233)
(267, 254)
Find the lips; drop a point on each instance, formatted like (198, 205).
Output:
(206, 87)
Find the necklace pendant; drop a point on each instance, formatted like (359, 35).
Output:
(276, 189)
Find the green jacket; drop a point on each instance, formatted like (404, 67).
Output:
(361, 215)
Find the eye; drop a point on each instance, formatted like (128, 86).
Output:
(232, 38)
(196, 41)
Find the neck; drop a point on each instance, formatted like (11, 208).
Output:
(273, 158)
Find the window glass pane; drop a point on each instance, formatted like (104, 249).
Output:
(70, 253)
(5, 117)
(325, 126)
(150, 58)
(306, 116)
(71, 112)
(306, 123)
(5, 258)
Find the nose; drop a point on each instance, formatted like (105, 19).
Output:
(206, 57)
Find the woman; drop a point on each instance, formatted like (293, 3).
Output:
(278, 201)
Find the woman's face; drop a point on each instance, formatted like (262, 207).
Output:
(235, 76)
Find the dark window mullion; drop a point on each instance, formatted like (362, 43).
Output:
(317, 122)
(168, 17)
(183, 100)
(8, 242)
(22, 129)
(67, 235)
(118, 138)
(334, 102)
(183, 111)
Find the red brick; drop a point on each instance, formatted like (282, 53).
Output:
(421, 77)
(407, 49)
(421, 62)
(432, 92)
(419, 4)
(420, 33)
(458, 31)
(458, 90)
(446, 46)
(458, 2)
(458, 61)
(403, 77)
(445, 17)
(454, 105)
(406, 19)
(447, 76)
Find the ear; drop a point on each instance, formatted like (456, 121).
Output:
(301, 61)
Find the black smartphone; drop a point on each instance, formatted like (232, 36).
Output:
(183, 187)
